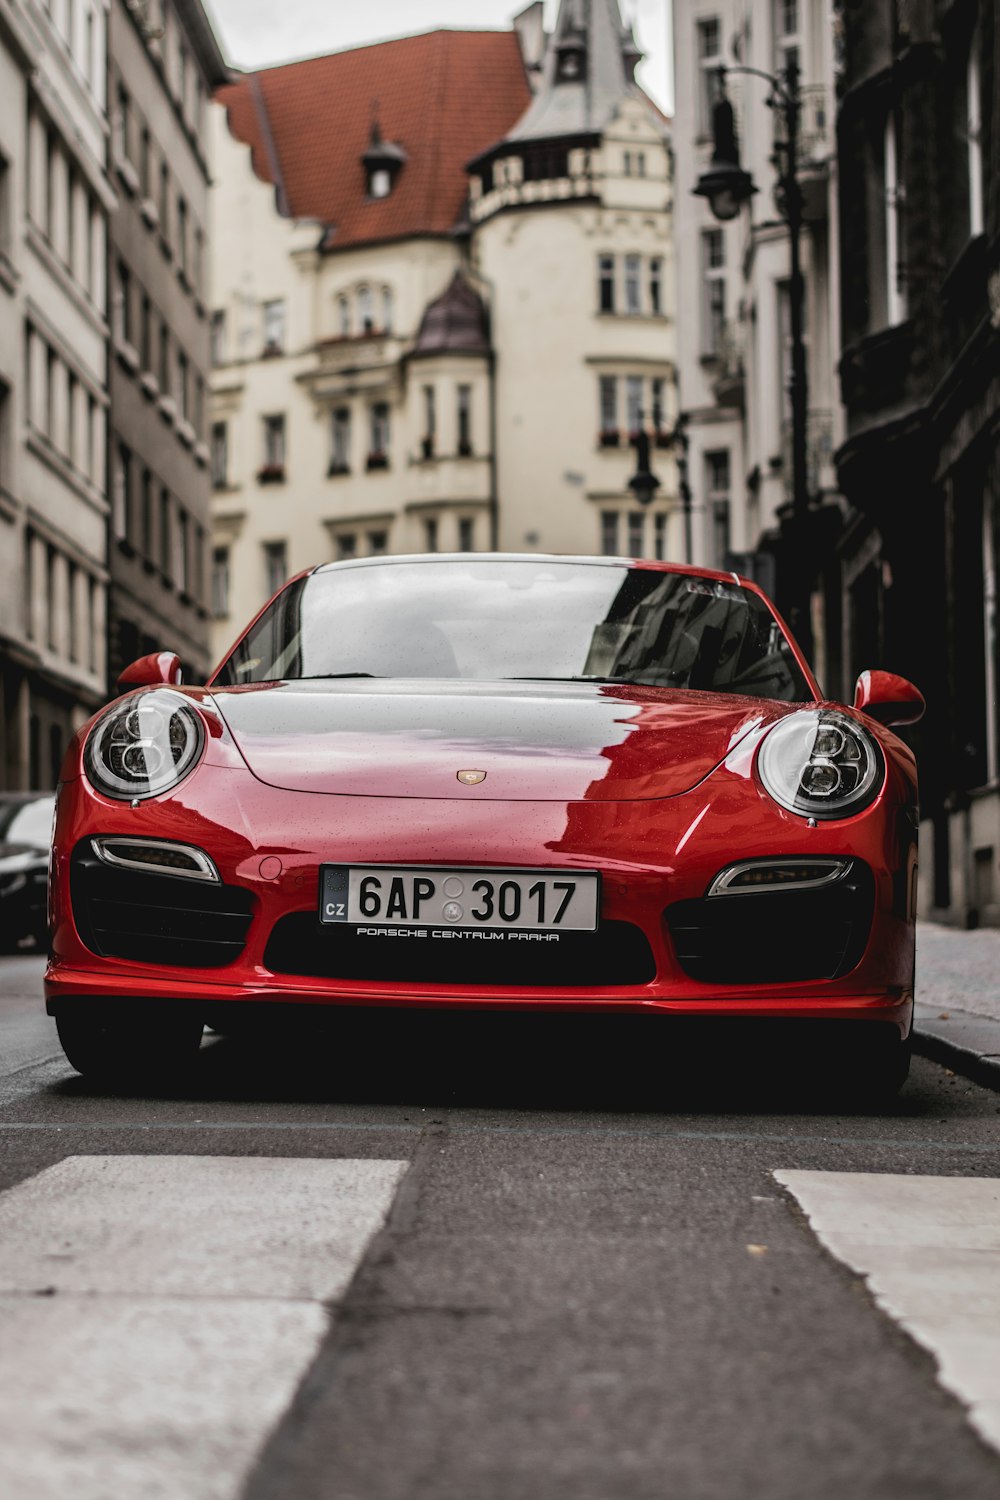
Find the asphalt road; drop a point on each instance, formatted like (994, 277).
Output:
(577, 1277)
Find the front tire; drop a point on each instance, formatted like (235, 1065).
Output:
(129, 1043)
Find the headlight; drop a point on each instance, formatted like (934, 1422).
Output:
(145, 746)
(820, 764)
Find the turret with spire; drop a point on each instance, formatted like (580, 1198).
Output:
(587, 74)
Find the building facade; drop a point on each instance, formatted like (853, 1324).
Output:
(164, 65)
(439, 331)
(734, 332)
(919, 145)
(55, 198)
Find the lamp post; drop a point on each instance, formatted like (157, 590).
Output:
(727, 187)
(644, 483)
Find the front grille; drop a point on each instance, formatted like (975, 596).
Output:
(617, 954)
(775, 936)
(157, 919)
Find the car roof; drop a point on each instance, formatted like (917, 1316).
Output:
(384, 560)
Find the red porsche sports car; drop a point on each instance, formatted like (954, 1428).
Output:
(489, 781)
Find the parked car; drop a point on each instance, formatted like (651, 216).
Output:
(526, 782)
(25, 838)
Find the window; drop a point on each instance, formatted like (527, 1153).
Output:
(146, 517)
(220, 582)
(466, 530)
(72, 436)
(378, 450)
(71, 225)
(164, 201)
(182, 235)
(430, 421)
(633, 404)
(274, 327)
(51, 159)
(387, 309)
(344, 317)
(609, 411)
(378, 543)
(380, 183)
(609, 533)
(710, 59)
(122, 131)
(165, 382)
(628, 164)
(974, 132)
(431, 534)
(220, 455)
(465, 421)
(274, 446)
(713, 259)
(166, 532)
(5, 204)
(660, 536)
(636, 533)
(366, 309)
(787, 40)
(717, 483)
(275, 566)
(218, 337)
(656, 285)
(347, 545)
(606, 283)
(183, 383)
(181, 543)
(124, 303)
(894, 225)
(659, 411)
(146, 163)
(120, 496)
(146, 334)
(340, 441)
(633, 292)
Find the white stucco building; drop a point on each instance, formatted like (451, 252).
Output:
(733, 278)
(441, 314)
(54, 202)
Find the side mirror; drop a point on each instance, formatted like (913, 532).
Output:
(161, 669)
(888, 698)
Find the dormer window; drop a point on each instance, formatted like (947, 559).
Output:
(383, 162)
(570, 63)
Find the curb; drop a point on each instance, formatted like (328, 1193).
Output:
(980, 1067)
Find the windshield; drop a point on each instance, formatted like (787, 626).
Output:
(524, 620)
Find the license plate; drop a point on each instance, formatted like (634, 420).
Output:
(391, 895)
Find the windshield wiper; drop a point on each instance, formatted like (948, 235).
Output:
(331, 676)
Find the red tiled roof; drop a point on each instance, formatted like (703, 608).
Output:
(443, 96)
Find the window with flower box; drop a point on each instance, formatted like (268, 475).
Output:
(378, 449)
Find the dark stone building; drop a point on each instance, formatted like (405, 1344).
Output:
(164, 63)
(914, 567)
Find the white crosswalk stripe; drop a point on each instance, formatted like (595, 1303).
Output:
(930, 1250)
(157, 1314)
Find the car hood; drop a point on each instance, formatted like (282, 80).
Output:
(536, 741)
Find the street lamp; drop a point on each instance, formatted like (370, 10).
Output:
(727, 187)
(644, 483)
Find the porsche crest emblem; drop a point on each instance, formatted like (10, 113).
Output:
(471, 778)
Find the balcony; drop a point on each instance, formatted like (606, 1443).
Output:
(816, 149)
(728, 379)
(820, 472)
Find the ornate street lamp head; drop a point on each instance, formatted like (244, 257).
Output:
(726, 185)
(644, 483)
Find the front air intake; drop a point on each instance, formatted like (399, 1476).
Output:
(153, 918)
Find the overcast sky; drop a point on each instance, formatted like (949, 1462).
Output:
(258, 33)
